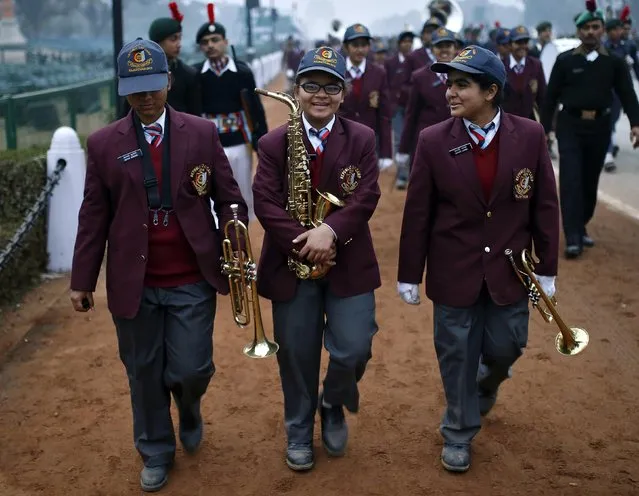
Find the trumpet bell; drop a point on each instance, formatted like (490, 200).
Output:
(580, 337)
(261, 349)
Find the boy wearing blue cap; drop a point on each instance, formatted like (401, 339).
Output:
(338, 308)
(150, 207)
(367, 99)
(525, 81)
(583, 80)
(481, 182)
(427, 103)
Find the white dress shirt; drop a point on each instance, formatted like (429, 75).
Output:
(315, 141)
(490, 135)
(230, 66)
(160, 121)
(350, 65)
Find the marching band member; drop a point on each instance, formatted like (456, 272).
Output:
(480, 183)
(229, 100)
(427, 104)
(526, 84)
(150, 177)
(502, 40)
(368, 99)
(340, 307)
(583, 80)
(423, 56)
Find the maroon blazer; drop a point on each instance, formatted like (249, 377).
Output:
(373, 106)
(427, 105)
(449, 226)
(525, 89)
(115, 212)
(350, 172)
(396, 75)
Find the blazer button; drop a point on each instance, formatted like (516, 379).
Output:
(144, 226)
(143, 258)
(489, 214)
(487, 249)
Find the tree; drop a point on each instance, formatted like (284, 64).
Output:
(34, 14)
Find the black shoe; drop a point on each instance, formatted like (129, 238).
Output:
(573, 251)
(334, 428)
(191, 427)
(456, 457)
(153, 479)
(587, 241)
(300, 457)
(487, 400)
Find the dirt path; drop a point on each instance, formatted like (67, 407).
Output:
(562, 426)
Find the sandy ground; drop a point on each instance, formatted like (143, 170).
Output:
(562, 425)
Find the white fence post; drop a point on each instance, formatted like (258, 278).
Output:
(66, 198)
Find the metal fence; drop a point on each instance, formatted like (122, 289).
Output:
(36, 210)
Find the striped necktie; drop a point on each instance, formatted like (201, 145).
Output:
(356, 72)
(154, 131)
(322, 134)
(480, 133)
(518, 69)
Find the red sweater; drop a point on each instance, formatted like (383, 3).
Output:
(486, 163)
(172, 261)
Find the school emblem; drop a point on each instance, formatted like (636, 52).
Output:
(200, 178)
(523, 184)
(139, 59)
(521, 29)
(442, 32)
(349, 179)
(358, 28)
(534, 85)
(373, 99)
(465, 55)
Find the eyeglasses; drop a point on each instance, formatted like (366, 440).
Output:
(330, 89)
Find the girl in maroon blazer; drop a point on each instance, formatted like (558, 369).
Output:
(337, 309)
(480, 183)
(427, 103)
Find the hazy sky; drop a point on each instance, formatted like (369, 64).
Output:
(351, 11)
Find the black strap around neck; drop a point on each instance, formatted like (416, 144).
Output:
(156, 204)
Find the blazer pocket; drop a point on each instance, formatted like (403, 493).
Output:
(523, 184)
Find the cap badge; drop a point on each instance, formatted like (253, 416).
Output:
(212, 28)
(358, 28)
(442, 32)
(521, 29)
(465, 55)
(139, 59)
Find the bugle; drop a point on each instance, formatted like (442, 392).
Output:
(241, 269)
(570, 340)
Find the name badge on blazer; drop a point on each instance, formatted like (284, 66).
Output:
(523, 180)
(460, 149)
(130, 155)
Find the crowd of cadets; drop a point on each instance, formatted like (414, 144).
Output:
(411, 97)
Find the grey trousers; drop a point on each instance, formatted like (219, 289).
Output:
(167, 348)
(347, 326)
(475, 348)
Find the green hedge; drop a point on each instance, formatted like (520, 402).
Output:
(21, 181)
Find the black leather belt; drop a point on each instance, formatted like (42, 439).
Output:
(587, 114)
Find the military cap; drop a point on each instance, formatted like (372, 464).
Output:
(211, 27)
(164, 27)
(592, 13)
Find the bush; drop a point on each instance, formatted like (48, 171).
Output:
(22, 177)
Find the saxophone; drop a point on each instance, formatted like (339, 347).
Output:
(299, 203)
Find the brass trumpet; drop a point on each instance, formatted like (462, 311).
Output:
(570, 340)
(241, 270)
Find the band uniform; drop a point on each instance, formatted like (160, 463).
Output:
(339, 307)
(468, 200)
(147, 200)
(229, 101)
(367, 99)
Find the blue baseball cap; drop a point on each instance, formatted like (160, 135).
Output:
(442, 34)
(503, 36)
(475, 60)
(323, 59)
(519, 33)
(142, 67)
(356, 31)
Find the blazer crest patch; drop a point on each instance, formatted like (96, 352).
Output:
(373, 99)
(200, 176)
(523, 184)
(534, 85)
(349, 179)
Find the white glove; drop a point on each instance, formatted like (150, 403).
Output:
(547, 284)
(384, 163)
(629, 60)
(402, 158)
(289, 73)
(408, 292)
